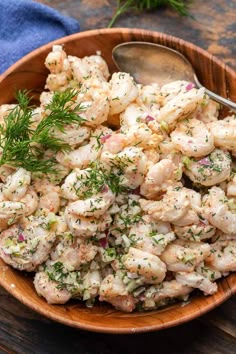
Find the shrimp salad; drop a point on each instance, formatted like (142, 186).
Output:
(137, 215)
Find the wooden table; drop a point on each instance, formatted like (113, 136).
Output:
(22, 330)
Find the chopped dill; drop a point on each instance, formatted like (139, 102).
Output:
(22, 146)
(98, 178)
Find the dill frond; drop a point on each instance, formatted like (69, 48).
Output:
(140, 5)
(24, 147)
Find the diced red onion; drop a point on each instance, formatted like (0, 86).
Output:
(21, 237)
(204, 222)
(103, 242)
(104, 138)
(149, 119)
(204, 162)
(190, 86)
(136, 191)
(104, 189)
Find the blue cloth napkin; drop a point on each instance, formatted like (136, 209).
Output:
(26, 25)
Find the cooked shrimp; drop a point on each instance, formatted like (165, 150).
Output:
(173, 205)
(16, 185)
(195, 232)
(49, 289)
(142, 136)
(50, 200)
(131, 161)
(73, 186)
(123, 91)
(94, 206)
(223, 256)
(208, 112)
(224, 133)
(145, 264)
(86, 227)
(166, 147)
(198, 281)
(207, 271)
(94, 100)
(231, 187)
(45, 98)
(210, 170)
(30, 201)
(191, 216)
(73, 252)
(181, 106)
(98, 63)
(132, 116)
(173, 89)
(192, 138)
(84, 155)
(28, 243)
(72, 134)
(159, 294)
(150, 96)
(115, 142)
(55, 59)
(5, 109)
(5, 171)
(216, 209)
(84, 68)
(159, 177)
(58, 82)
(146, 237)
(113, 290)
(152, 156)
(184, 256)
(12, 210)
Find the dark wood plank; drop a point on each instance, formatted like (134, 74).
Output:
(24, 331)
(223, 317)
(213, 26)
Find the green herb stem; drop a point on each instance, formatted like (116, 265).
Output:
(23, 146)
(140, 5)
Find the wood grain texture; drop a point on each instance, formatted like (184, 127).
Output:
(213, 26)
(30, 73)
(27, 332)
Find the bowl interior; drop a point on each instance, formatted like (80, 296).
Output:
(30, 73)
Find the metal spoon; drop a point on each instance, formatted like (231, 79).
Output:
(149, 62)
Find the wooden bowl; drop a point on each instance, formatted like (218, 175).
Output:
(30, 73)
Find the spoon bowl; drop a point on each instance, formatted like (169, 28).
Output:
(150, 62)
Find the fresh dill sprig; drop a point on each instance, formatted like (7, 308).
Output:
(24, 147)
(124, 6)
(63, 111)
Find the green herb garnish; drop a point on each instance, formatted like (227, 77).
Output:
(124, 6)
(96, 179)
(22, 146)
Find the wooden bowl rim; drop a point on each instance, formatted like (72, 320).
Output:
(231, 288)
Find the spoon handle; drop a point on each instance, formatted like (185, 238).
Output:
(224, 101)
(221, 100)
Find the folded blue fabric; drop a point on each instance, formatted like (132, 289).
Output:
(26, 25)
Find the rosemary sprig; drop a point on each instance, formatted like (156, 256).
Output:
(124, 6)
(24, 147)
